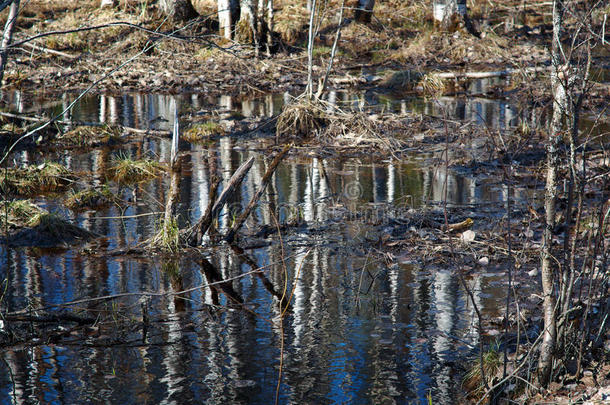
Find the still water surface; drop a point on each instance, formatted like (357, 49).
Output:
(358, 331)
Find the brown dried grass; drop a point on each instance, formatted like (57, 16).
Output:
(302, 118)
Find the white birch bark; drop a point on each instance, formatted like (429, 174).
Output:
(227, 15)
(8, 35)
(444, 9)
(549, 337)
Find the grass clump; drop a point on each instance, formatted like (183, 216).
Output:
(30, 225)
(85, 136)
(432, 85)
(168, 238)
(31, 180)
(18, 213)
(201, 132)
(91, 198)
(126, 170)
(492, 363)
(301, 118)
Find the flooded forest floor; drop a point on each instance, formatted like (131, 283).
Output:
(375, 266)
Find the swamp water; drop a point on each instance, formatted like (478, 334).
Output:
(358, 330)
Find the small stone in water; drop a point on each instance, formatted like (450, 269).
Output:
(532, 273)
(484, 261)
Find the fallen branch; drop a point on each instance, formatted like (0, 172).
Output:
(484, 75)
(197, 231)
(254, 200)
(50, 319)
(51, 51)
(23, 117)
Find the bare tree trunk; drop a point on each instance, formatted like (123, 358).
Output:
(310, 41)
(246, 32)
(549, 340)
(228, 11)
(453, 15)
(269, 26)
(178, 10)
(364, 12)
(8, 35)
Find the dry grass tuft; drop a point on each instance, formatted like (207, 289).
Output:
(18, 213)
(291, 22)
(331, 126)
(202, 132)
(93, 198)
(358, 130)
(434, 47)
(126, 170)
(432, 85)
(492, 363)
(243, 32)
(44, 178)
(301, 118)
(85, 136)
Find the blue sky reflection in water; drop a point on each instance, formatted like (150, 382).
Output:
(359, 330)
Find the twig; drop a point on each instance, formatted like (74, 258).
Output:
(51, 51)
(141, 294)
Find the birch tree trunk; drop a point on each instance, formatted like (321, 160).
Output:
(547, 347)
(269, 26)
(178, 10)
(228, 11)
(445, 9)
(246, 32)
(453, 15)
(7, 36)
(364, 12)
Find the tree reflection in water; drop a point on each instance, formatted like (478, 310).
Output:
(356, 331)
